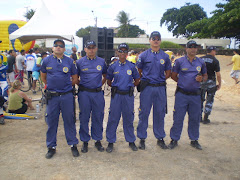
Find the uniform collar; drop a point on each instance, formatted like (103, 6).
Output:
(122, 63)
(155, 52)
(90, 58)
(57, 58)
(189, 59)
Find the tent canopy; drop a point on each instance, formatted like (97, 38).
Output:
(42, 25)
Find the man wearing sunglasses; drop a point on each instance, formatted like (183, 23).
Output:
(188, 72)
(59, 73)
(92, 71)
(154, 67)
(122, 76)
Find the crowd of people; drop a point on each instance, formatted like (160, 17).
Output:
(197, 81)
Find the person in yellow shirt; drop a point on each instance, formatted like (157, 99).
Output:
(236, 66)
(132, 57)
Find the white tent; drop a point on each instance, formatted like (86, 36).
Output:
(41, 26)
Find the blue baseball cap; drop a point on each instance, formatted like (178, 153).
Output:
(90, 43)
(155, 34)
(191, 43)
(123, 45)
(59, 40)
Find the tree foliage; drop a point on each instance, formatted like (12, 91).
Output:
(223, 23)
(84, 31)
(29, 14)
(126, 29)
(177, 19)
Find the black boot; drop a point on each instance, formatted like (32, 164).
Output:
(99, 146)
(109, 149)
(142, 144)
(206, 120)
(84, 147)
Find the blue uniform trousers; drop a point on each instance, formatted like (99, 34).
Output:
(91, 103)
(63, 103)
(192, 105)
(121, 104)
(156, 97)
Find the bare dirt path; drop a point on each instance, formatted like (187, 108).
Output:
(23, 149)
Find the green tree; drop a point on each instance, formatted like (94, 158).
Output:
(223, 23)
(126, 29)
(84, 31)
(29, 14)
(177, 19)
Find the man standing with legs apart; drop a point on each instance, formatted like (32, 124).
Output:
(122, 73)
(154, 67)
(59, 73)
(209, 88)
(91, 69)
(188, 72)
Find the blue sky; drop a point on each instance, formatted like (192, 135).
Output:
(78, 13)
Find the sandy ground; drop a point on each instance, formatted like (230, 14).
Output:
(23, 149)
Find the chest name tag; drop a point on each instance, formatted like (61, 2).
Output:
(184, 69)
(85, 69)
(115, 72)
(65, 69)
(48, 67)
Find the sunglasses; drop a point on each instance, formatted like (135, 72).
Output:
(192, 46)
(155, 39)
(59, 45)
(123, 51)
(91, 47)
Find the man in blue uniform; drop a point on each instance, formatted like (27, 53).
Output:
(59, 73)
(120, 77)
(91, 69)
(188, 72)
(209, 88)
(3, 85)
(154, 67)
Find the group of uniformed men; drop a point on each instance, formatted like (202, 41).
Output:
(60, 73)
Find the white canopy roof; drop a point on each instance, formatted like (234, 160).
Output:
(41, 26)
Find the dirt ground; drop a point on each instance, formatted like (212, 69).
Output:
(23, 148)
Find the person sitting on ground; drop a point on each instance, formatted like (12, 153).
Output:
(18, 100)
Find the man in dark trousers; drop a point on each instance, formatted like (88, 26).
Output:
(188, 71)
(209, 88)
(59, 73)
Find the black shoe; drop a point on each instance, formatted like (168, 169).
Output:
(84, 147)
(133, 146)
(196, 145)
(173, 144)
(142, 144)
(2, 120)
(109, 148)
(50, 153)
(205, 119)
(162, 144)
(74, 150)
(99, 146)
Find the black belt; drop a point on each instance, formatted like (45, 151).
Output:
(82, 88)
(187, 92)
(157, 85)
(122, 92)
(59, 93)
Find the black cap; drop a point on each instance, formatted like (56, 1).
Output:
(43, 53)
(90, 43)
(123, 45)
(59, 40)
(190, 43)
(155, 34)
(211, 48)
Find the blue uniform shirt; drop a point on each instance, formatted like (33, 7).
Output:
(58, 73)
(188, 72)
(154, 65)
(90, 71)
(3, 72)
(123, 74)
